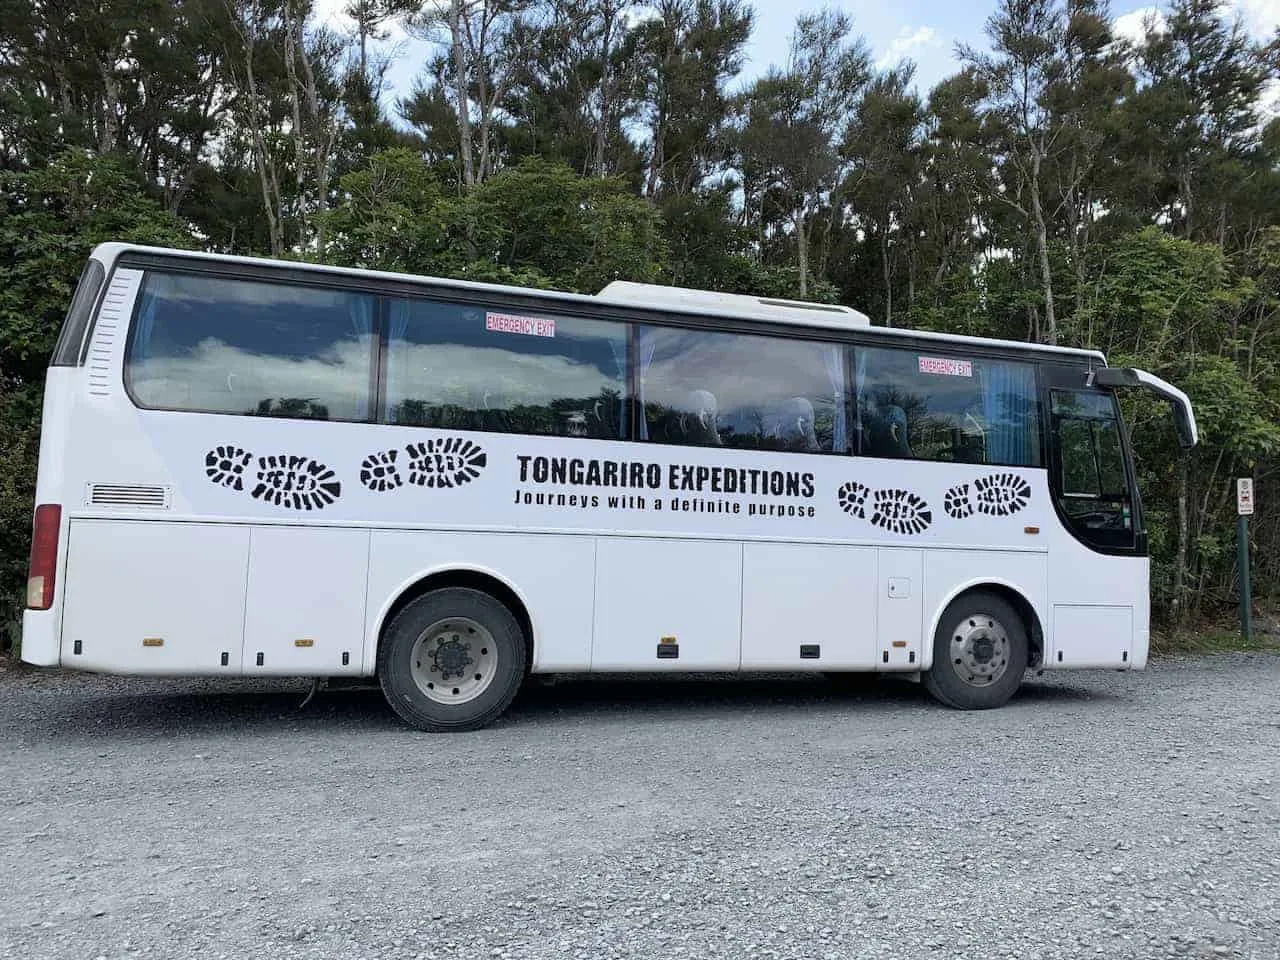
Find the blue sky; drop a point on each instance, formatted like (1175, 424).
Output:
(925, 31)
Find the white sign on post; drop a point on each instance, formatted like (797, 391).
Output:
(1244, 496)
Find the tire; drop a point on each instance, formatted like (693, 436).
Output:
(988, 637)
(451, 660)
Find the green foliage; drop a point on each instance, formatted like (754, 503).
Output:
(391, 217)
(19, 445)
(50, 218)
(1158, 294)
(581, 232)
(1131, 190)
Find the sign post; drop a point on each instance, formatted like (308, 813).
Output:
(1244, 510)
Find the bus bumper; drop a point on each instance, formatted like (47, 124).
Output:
(40, 638)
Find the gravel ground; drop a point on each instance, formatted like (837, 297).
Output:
(1105, 815)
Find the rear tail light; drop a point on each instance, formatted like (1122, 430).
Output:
(44, 556)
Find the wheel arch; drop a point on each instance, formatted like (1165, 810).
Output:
(1006, 590)
(453, 575)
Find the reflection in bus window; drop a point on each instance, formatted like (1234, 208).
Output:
(1094, 486)
(464, 367)
(923, 407)
(246, 347)
(748, 392)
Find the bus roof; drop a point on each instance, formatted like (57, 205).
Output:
(625, 293)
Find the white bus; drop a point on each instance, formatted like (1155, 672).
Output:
(253, 467)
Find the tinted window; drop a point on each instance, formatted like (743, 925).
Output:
(66, 353)
(931, 407)
(245, 347)
(723, 389)
(472, 368)
(1093, 483)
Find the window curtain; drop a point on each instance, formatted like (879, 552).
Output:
(648, 344)
(618, 346)
(398, 323)
(360, 313)
(833, 359)
(859, 383)
(1009, 405)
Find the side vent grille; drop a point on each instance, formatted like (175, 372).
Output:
(128, 495)
(113, 318)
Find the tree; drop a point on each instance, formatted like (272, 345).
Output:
(1020, 73)
(1063, 185)
(687, 55)
(1084, 102)
(487, 43)
(1195, 120)
(391, 215)
(794, 119)
(882, 146)
(50, 219)
(580, 232)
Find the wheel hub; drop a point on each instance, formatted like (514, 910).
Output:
(453, 661)
(980, 650)
(983, 648)
(451, 658)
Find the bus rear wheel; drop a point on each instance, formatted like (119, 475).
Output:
(451, 660)
(979, 653)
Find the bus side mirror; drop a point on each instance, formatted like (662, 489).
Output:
(1184, 420)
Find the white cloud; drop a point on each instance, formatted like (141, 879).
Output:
(1271, 100)
(1132, 26)
(1261, 17)
(910, 42)
(327, 11)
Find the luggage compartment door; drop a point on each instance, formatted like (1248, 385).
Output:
(145, 597)
(667, 605)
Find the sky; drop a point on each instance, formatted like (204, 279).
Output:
(925, 31)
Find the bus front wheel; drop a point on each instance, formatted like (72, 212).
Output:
(979, 653)
(451, 660)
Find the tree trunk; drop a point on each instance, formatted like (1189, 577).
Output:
(324, 135)
(460, 89)
(363, 25)
(1180, 568)
(606, 80)
(802, 251)
(64, 85)
(110, 110)
(1042, 248)
(1186, 195)
(483, 94)
(887, 270)
(658, 158)
(1079, 244)
(266, 173)
(292, 50)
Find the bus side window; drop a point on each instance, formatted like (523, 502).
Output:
(744, 391)
(950, 409)
(252, 348)
(464, 367)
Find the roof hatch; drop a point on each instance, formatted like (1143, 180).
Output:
(767, 309)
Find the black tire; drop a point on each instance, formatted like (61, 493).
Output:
(396, 660)
(973, 615)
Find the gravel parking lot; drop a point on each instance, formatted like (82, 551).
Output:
(1103, 815)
